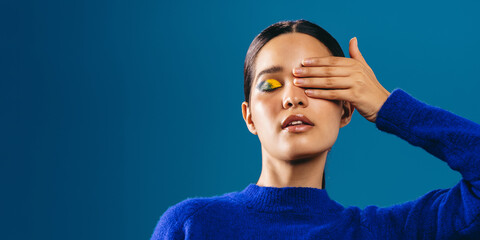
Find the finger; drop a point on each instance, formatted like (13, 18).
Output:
(327, 82)
(322, 71)
(333, 94)
(354, 51)
(327, 61)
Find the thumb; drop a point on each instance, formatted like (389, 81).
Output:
(354, 51)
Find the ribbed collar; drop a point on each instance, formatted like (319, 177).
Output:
(288, 199)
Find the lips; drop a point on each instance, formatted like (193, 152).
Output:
(296, 117)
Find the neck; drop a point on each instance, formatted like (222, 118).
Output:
(299, 172)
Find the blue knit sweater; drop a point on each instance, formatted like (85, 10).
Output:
(308, 213)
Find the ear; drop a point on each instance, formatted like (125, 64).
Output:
(347, 112)
(247, 116)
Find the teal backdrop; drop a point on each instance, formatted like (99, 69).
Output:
(112, 111)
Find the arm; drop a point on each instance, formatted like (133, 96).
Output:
(449, 137)
(443, 213)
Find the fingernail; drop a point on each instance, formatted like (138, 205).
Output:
(298, 81)
(307, 61)
(298, 70)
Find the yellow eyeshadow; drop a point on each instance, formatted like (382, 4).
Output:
(273, 83)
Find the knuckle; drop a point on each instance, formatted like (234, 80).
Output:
(333, 61)
(360, 82)
(328, 70)
(329, 82)
(332, 94)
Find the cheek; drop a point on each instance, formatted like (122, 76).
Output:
(326, 112)
(264, 114)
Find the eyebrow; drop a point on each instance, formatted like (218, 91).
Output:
(272, 69)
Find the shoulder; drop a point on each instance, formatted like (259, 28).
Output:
(191, 206)
(184, 209)
(171, 223)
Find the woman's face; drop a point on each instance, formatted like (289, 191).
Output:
(268, 109)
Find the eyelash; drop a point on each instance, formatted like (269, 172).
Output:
(268, 83)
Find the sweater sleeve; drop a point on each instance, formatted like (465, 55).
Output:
(171, 224)
(443, 213)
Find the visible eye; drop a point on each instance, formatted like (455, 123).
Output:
(269, 85)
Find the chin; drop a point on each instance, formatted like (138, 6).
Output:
(302, 154)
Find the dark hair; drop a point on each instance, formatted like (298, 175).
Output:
(276, 29)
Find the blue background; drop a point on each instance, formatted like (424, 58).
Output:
(112, 111)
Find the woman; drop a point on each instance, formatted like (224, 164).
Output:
(297, 128)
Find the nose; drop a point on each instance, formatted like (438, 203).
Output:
(294, 96)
